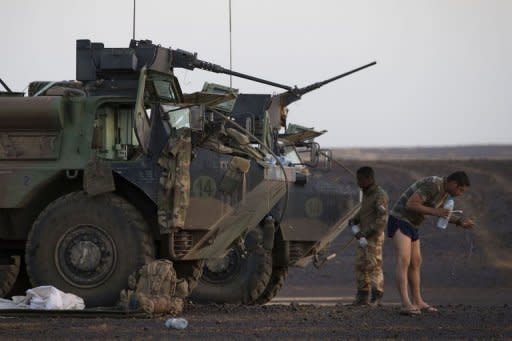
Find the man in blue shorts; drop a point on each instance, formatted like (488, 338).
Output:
(424, 197)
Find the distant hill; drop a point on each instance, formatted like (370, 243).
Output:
(482, 152)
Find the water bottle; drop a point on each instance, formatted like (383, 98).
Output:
(270, 160)
(355, 229)
(363, 242)
(448, 204)
(176, 323)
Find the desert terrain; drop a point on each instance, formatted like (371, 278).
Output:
(467, 275)
(454, 260)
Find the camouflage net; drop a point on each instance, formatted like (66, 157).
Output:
(174, 193)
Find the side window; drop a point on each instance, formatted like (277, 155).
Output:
(178, 118)
(163, 90)
(114, 133)
(154, 88)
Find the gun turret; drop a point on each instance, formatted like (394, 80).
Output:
(123, 65)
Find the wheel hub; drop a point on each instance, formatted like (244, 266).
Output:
(86, 256)
(222, 269)
(218, 264)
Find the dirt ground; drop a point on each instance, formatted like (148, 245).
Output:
(288, 322)
(467, 275)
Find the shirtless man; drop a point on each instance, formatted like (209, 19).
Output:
(424, 197)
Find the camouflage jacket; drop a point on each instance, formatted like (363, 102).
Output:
(373, 214)
(431, 191)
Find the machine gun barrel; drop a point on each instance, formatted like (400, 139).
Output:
(316, 85)
(188, 60)
(296, 93)
(5, 86)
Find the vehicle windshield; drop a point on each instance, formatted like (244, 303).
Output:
(164, 90)
(291, 155)
(166, 93)
(178, 118)
(161, 89)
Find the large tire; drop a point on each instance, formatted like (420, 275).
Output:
(8, 275)
(242, 277)
(22, 284)
(274, 285)
(88, 246)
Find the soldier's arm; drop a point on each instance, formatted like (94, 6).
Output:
(356, 220)
(417, 200)
(466, 223)
(381, 206)
(455, 220)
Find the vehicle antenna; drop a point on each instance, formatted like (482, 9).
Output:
(133, 34)
(230, 49)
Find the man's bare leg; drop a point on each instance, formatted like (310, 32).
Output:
(402, 244)
(414, 275)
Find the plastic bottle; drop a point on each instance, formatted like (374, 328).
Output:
(270, 160)
(176, 323)
(355, 229)
(363, 242)
(442, 223)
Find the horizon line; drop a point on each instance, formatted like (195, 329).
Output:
(504, 145)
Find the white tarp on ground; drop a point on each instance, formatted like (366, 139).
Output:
(44, 298)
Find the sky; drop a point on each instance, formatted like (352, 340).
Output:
(443, 75)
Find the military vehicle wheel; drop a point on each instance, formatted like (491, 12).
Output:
(22, 283)
(8, 275)
(274, 285)
(88, 246)
(240, 277)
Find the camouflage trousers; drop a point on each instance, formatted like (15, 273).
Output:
(174, 193)
(369, 272)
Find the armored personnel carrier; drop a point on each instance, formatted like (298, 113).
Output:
(319, 204)
(95, 174)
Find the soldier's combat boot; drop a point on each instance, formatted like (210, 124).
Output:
(376, 298)
(362, 298)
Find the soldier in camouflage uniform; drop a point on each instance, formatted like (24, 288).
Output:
(424, 197)
(368, 226)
